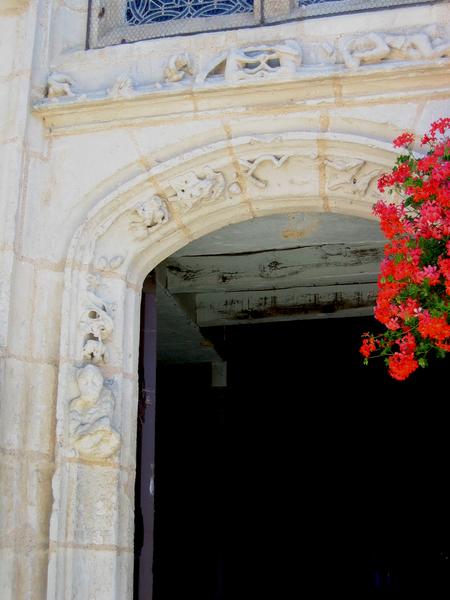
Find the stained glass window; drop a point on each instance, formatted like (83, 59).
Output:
(309, 2)
(140, 12)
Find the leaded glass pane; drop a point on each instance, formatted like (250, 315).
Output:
(309, 2)
(140, 12)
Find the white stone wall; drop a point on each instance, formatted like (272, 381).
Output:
(123, 156)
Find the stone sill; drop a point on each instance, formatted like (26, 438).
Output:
(332, 86)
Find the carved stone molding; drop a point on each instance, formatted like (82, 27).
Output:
(91, 431)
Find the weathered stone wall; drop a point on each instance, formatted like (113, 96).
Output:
(111, 160)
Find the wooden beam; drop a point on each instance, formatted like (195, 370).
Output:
(296, 303)
(181, 340)
(325, 264)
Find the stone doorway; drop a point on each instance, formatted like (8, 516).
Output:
(132, 230)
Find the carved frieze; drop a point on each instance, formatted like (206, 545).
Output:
(91, 431)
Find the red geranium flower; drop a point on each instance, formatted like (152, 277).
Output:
(413, 300)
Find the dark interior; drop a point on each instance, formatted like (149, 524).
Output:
(309, 475)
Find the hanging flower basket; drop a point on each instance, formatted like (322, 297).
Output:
(413, 301)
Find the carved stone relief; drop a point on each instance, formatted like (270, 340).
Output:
(255, 62)
(96, 324)
(104, 263)
(179, 66)
(250, 166)
(91, 430)
(263, 61)
(282, 59)
(351, 176)
(376, 47)
(192, 188)
(58, 85)
(147, 216)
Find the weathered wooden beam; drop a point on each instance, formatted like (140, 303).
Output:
(326, 264)
(301, 302)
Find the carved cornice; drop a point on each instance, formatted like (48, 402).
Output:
(306, 90)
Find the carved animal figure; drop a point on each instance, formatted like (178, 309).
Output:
(58, 85)
(147, 215)
(179, 66)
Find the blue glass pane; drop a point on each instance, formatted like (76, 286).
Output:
(309, 2)
(140, 12)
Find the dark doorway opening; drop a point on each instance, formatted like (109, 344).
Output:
(310, 474)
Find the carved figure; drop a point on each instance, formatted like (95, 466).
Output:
(90, 417)
(148, 215)
(423, 44)
(191, 188)
(179, 66)
(374, 47)
(369, 48)
(58, 85)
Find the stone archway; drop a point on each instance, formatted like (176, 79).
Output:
(125, 236)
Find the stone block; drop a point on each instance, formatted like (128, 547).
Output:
(7, 574)
(41, 408)
(47, 315)
(382, 121)
(38, 475)
(21, 312)
(13, 394)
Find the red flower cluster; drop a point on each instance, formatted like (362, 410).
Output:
(414, 284)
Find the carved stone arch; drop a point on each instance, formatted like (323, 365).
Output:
(125, 235)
